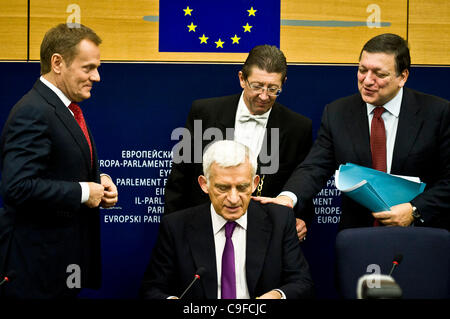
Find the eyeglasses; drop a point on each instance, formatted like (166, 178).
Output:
(257, 88)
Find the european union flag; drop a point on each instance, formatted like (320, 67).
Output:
(217, 26)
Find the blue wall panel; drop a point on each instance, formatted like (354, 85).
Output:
(132, 113)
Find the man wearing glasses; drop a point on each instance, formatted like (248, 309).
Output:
(256, 120)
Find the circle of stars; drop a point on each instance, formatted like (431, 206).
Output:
(219, 43)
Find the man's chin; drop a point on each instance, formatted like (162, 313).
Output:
(232, 214)
(261, 109)
(369, 99)
(85, 94)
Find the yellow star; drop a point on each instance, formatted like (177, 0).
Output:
(251, 12)
(219, 43)
(203, 39)
(235, 39)
(247, 27)
(188, 11)
(192, 27)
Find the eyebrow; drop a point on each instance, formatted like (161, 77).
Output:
(228, 185)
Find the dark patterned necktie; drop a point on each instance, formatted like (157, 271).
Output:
(78, 114)
(378, 143)
(228, 280)
(378, 140)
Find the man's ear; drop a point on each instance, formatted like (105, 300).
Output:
(255, 182)
(404, 78)
(202, 181)
(56, 62)
(241, 79)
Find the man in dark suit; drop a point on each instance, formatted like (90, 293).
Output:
(416, 140)
(51, 186)
(281, 137)
(266, 258)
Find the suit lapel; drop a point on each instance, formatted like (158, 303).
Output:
(358, 128)
(201, 243)
(259, 232)
(63, 113)
(409, 125)
(228, 115)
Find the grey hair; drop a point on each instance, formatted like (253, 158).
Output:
(228, 153)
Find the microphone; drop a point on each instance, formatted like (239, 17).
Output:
(200, 272)
(397, 260)
(378, 286)
(9, 276)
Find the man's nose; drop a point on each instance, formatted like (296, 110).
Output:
(264, 94)
(233, 196)
(369, 78)
(95, 76)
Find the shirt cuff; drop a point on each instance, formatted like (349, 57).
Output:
(283, 296)
(84, 192)
(291, 196)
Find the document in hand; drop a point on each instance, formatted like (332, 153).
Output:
(376, 190)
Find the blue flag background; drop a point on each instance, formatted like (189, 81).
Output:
(217, 26)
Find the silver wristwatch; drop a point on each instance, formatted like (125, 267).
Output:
(417, 216)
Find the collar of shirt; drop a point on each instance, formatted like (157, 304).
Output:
(218, 221)
(393, 106)
(390, 119)
(243, 110)
(57, 91)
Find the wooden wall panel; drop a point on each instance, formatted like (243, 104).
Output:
(429, 31)
(326, 31)
(13, 30)
(121, 25)
(339, 28)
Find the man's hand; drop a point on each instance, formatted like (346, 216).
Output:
(273, 294)
(96, 193)
(300, 225)
(110, 196)
(280, 200)
(399, 215)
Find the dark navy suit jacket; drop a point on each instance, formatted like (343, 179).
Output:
(422, 149)
(43, 226)
(186, 241)
(295, 140)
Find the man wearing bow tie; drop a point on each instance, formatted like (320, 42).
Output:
(256, 120)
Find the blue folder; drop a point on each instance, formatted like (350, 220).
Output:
(376, 190)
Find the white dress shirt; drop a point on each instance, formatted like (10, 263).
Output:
(66, 102)
(390, 118)
(239, 239)
(249, 133)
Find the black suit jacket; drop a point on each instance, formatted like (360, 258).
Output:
(43, 226)
(186, 241)
(422, 148)
(182, 189)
